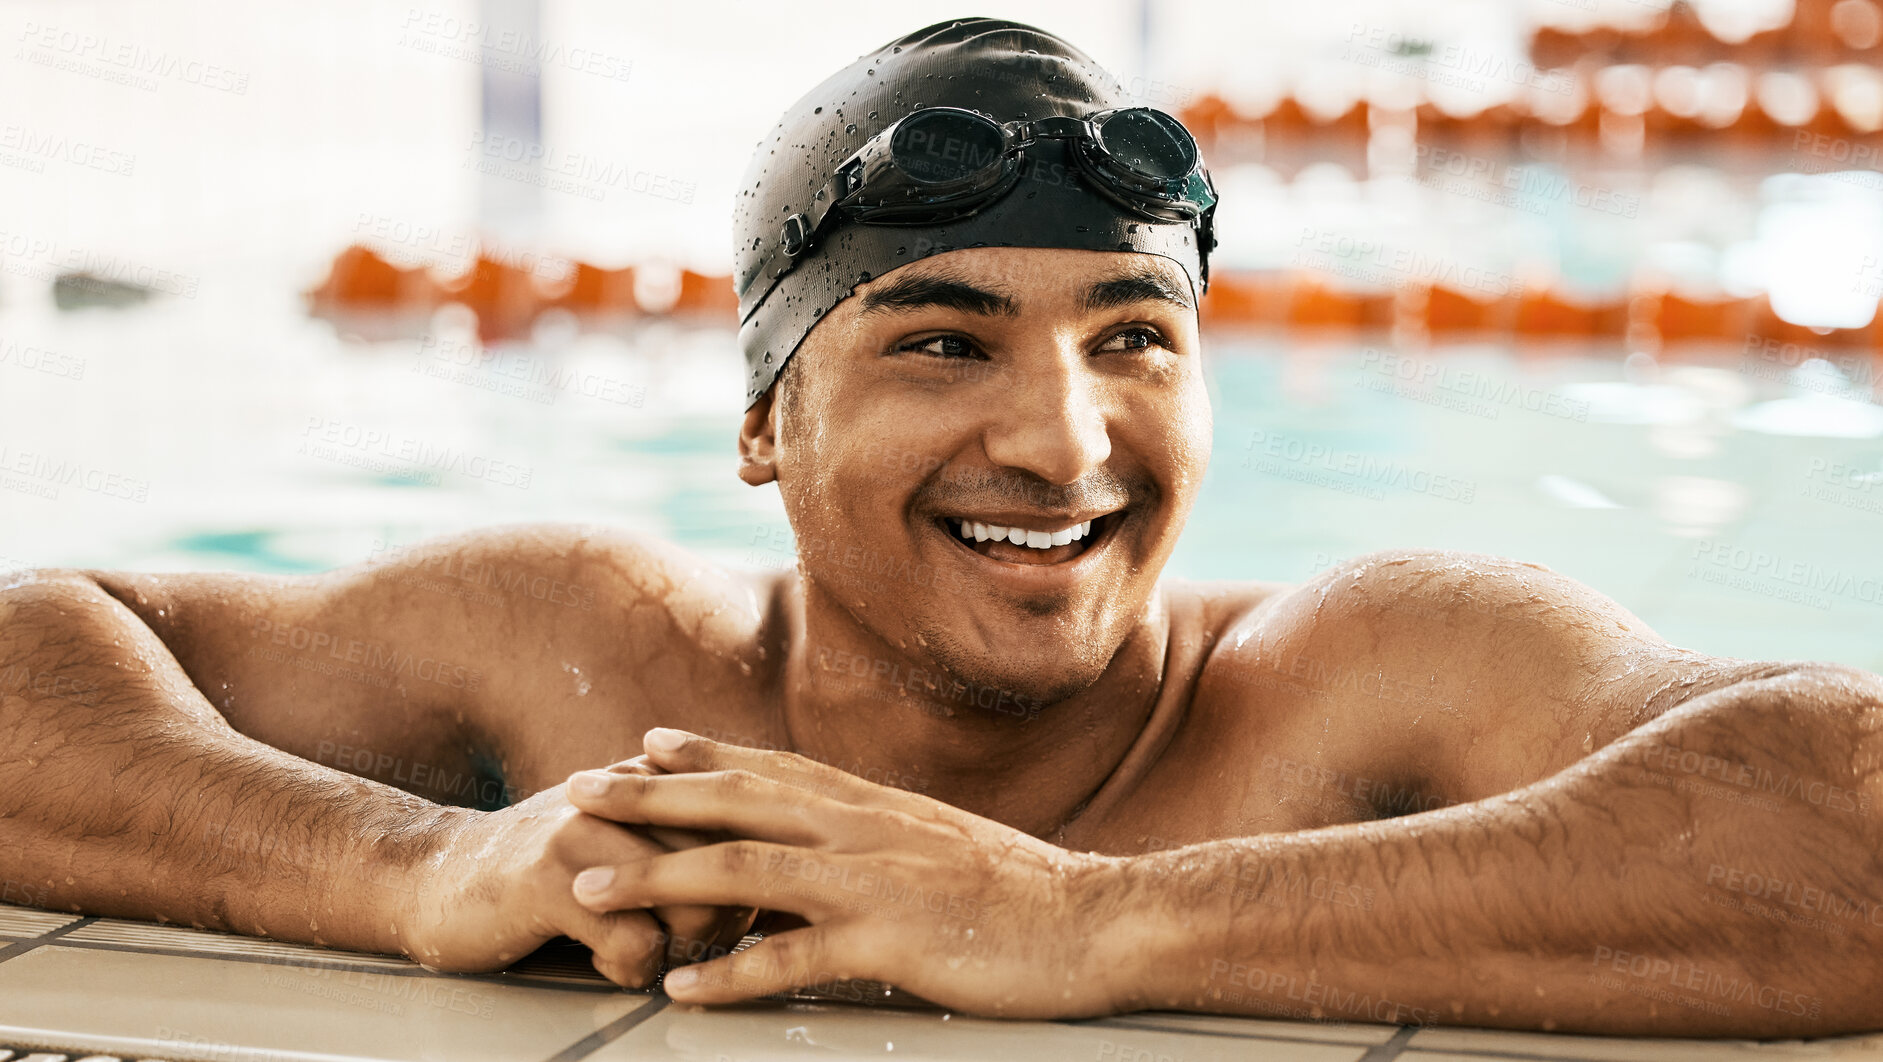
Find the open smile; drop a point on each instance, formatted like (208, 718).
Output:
(1011, 546)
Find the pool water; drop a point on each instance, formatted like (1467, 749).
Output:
(1731, 499)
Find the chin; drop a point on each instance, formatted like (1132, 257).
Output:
(1014, 684)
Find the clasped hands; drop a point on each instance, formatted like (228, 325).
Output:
(890, 885)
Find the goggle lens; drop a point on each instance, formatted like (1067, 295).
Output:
(1150, 143)
(943, 146)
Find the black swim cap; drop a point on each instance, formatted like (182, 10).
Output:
(1006, 70)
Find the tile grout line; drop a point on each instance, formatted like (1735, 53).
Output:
(1390, 1050)
(23, 946)
(610, 1032)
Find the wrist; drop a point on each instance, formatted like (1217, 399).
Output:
(413, 877)
(1144, 941)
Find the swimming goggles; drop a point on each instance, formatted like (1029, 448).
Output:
(939, 164)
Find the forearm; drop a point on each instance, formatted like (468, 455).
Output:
(1635, 893)
(123, 792)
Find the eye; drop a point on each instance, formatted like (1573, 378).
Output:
(942, 346)
(1137, 337)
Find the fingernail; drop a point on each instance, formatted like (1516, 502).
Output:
(684, 977)
(661, 739)
(594, 879)
(589, 783)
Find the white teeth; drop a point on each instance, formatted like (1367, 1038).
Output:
(972, 531)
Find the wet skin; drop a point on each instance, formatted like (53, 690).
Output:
(1031, 728)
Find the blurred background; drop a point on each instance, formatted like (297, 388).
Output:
(1591, 283)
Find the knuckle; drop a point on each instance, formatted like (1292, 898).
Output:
(739, 855)
(738, 781)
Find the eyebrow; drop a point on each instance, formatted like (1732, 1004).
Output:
(1136, 285)
(912, 293)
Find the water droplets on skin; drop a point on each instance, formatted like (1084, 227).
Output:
(582, 684)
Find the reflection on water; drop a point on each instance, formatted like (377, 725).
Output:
(1734, 502)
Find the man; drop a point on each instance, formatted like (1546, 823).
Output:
(1422, 787)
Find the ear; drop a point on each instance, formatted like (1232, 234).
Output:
(758, 443)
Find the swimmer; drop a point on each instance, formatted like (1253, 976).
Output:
(971, 745)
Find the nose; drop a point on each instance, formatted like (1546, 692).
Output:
(1051, 421)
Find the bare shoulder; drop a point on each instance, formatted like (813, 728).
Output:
(1468, 672)
(469, 647)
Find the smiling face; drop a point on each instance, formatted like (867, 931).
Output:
(987, 456)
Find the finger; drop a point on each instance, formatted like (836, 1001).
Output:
(669, 837)
(732, 874)
(797, 959)
(679, 751)
(628, 945)
(738, 802)
(697, 933)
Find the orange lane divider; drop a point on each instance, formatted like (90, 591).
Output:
(1449, 312)
(1541, 312)
(1314, 303)
(506, 297)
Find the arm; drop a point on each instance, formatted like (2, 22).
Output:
(1714, 873)
(125, 791)
(1626, 895)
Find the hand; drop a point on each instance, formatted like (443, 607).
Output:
(500, 888)
(896, 887)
